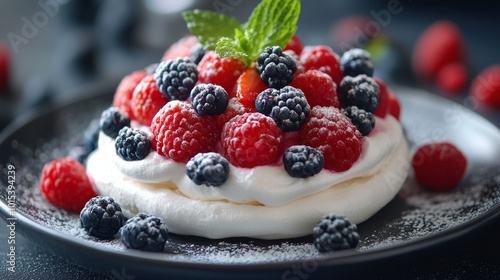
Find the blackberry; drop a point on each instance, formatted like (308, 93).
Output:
(291, 109)
(102, 217)
(335, 232)
(144, 232)
(87, 143)
(197, 53)
(176, 78)
(360, 91)
(132, 144)
(276, 68)
(302, 161)
(210, 169)
(356, 62)
(364, 121)
(266, 100)
(209, 99)
(112, 120)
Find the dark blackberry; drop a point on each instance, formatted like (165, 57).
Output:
(87, 143)
(132, 144)
(144, 232)
(112, 120)
(302, 161)
(197, 53)
(266, 100)
(360, 91)
(176, 78)
(364, 121)
(209, 99)
(102, 217)
(210, 169)
(356, 62)
(291, 109)
(276, 68)
(335, 232)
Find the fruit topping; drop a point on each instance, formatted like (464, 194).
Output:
(275, 68)
(294, 45)
(266, 100)
(383, 98)
(176, 78)
(356, 62)
(132, 144)
(318, 87)
(209, 99)
(102, 217)
(144, 232)
(324, 59)
(125, 90)
(364, 121)
(209, 169)
(146, 100)
(302, 161)
(335, 232)
(247, 87)
(181, 48)
(394, 105)
(112, 120)
(360, 91)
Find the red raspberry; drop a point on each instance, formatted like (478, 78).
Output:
(318, 87)
(4, 67)
(181, 48)
(394, 105)
(294, 45)
(439, 45)
(147, 100)
(233, 109)
(486, 87)
(125, 90)
(252, 139)
(322, 58)
(247, 87)
(65, 184)
(439, 166)
(223, 72)
(452, 78)
(179, 133)
(383, 99)
(332, 133)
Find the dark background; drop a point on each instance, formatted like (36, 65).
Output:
(89, 45)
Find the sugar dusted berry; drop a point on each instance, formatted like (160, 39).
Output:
(209, 99)
(291, 109)
(318, 87)
(182, 48)
(132, 144)
(220, 71)
(112, 120)
(360, 91)
(335, 232)
(125, 90)
(102, 217)
(294, 45)
(144, 232)
(324, 59)
(356, 62)
(247, 87)
(233, 109)
(302, 161)
(266, 100)
(176, 78)
(364, 121)
(146, 100)
(209, 169)
(276, 68)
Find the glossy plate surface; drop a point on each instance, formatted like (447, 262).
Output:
(415, 219)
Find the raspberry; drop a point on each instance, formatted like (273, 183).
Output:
(181, 48)
(439, 45)
(146, 100)
(291, 109)
(486, 87)
(233, 109)
(112, 120)
(294, 45)
(247, 87)
(125, 90)
(452, 78)
(144, 232)
(383, 99)
(179, 133)
(102, 217)
(360, 91)
(318, 87)
(335, 232)
(275, 68)
(394, 105)
(210, 169)
(223, 72)
(364, 121)
(302, 161)
(439, 166)
(324, 59)
(65, 184)
(132, 144)
(252, 139)
(176, 78)
(355, 62)
(209, 99)
(334, 135)
(4, 68)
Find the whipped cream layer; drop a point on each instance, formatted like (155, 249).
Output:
(262, 202)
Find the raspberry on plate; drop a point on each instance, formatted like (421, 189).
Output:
(319, 88)
(486, 87)
(147, 100)
(333, 134)
(223, 72)
(324, 59)
(180, 133)
(125, 90)
(65, 184)
(247, 87)
(439, 166)
(252, 139)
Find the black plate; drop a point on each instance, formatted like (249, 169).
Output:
(414, 220)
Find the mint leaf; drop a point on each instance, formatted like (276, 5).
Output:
(209, 27)
(228, 47)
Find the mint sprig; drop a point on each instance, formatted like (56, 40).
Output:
(272, 23)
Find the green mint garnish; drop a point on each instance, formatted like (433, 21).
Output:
(272, 23)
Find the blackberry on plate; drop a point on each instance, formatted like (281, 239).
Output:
(176, 78)
(335, 232)
(102, 217)
(209, 99)
(360, 91)
(210, 169)
(112, 120)
(266, 100)
(197, 53)
(302, 161)
(132, 144)
(291, 109)
(364, 121)
(144, 232)
(275, 67)
(356, 62)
